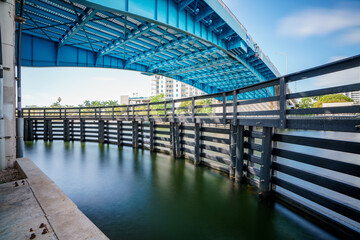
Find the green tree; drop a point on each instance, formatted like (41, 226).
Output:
(157, 109)
(187, 107)
(203, 102)
(332, 98)
(56, 104)
(306, 102)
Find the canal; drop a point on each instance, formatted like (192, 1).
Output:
(135, 194)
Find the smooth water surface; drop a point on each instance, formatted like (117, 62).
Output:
(135, 194)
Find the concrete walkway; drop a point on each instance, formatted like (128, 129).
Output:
(38, 201)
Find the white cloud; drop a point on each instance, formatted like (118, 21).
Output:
(352, 37)
(319, 22)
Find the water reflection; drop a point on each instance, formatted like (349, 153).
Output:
(135, 194)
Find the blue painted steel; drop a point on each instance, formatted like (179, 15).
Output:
(198, 42)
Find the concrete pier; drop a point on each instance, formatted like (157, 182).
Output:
(7, 16)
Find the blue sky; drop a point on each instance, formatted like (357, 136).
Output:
(310, 32)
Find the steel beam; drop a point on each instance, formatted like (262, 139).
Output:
(82, 20)
(120, 41)
(204, 13)
(158, 50)
(184, 4)
(189, 56)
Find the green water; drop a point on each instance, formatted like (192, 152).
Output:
(135, 194)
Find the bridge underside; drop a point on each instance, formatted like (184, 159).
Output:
(190, 43)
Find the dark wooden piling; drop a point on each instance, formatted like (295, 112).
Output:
(119, 132)
(82, 130)
(197, 143)
(232, 149)
(49, 130)
(135, 134)
(239, 152)
(66, 130)
(265, 171)
(152, 129)
(101, 131)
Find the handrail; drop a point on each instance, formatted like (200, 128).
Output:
(171, 110)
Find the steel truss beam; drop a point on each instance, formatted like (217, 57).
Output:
(236, 68)
(158, 50)
(200, 66)
(120, 41)
(185, 57)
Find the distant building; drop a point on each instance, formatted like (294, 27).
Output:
(126, 99)
(354, 95)
(172, 88)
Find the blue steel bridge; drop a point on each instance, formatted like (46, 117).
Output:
(199, 42)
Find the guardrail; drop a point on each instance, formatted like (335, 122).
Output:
(232, 136)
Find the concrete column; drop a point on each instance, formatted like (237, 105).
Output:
(7, 21)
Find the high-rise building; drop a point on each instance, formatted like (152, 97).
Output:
(172, 88)
(354, 95)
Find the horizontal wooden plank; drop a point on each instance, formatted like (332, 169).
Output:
(337, 145)
(215, 139)
(215, 158)
(325, 110)
(337, 186)
(325, 91)
(331, 204)
(215, 149)
(335, 165)
(215, 130)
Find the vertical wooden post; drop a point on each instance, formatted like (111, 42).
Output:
(66, 130)
(31, 130)
(71, 130)
(224, 107)
(101, 131)
(35, 129)
(26, 129)
(50, 130)
(119, 133)
(152, 129)
(148, 111)
(181, 140)
(239, 152)
(135, 135)
(234, 121)
(46, 130)
(197, 143)
(133, 112)
(172, 139)
(233, 131)
(177, 140)
(142, 134)
(113, 112)
(165, 105)
(282, 103)
(193, 109)
(250, 164)
(106, 131)
(127, 112)
(82, 130)
(265, 171)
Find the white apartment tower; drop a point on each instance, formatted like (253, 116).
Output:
(172, 88)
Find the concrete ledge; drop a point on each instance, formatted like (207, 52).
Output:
(63, 216)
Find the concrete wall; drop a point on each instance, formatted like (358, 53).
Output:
(7, 16)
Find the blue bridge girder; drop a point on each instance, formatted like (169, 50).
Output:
(198, 42)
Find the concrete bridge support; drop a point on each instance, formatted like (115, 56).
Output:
(7, 16)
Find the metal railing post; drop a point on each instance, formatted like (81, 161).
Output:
(282, 102)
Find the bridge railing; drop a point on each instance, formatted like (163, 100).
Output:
(248, 139)
(239, 105)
